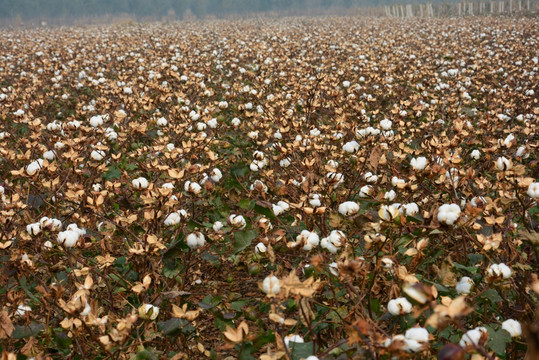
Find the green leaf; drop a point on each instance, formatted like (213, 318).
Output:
(174, 326)
(238, 305)
(492, 295)
(112, 173)
(26, 331)
(243, 239)
(470, 269)
(497, 340)
(300, 350)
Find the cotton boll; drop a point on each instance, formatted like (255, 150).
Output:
(410, 209)
(237, 221)
(96, 121)
(284, 162)
(22, 309)
(235, 122)
(314, 200)
(217, 226)
(465, 285)
(68, 238)
(500, 271)
(365, 191)
(346, 84)
(162, 121)
(33, 229)
(395, 181)
(216, 175)
(388, 213)
(212, 123)
(195, 240)
(399, 306)
(293, 339)
(173, 219)
(48, 155)
(390, 195)
(34, 167)
(97, 155)
(192, 187)
(416, 339)
(370, 177)
(386, 124)
(140, 183)
(309, 239)
(271, 285)
(277, 210)
(260, 248)
(533, 190)
(476, 154)
(473, 337)
(513, 327)
(348, 208)
(351, 147)
(448, 213)
(504, 164)
(148, 312)
(419, 163)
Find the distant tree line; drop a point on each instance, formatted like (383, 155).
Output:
(43, 9)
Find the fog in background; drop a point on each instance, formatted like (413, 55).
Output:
(18, 11)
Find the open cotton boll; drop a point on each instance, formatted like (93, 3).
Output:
(370, 177)
(212, 123)
(48, 155)
(348, 208)
(504, 164)
(96, 121)
(473, 337)
(260, 248)
(465, 285)
(237, 221)
(390, 195)
(314, 200)
(192, 187)
(217, 226)
(97, 155)
(293, 338)
(50, 224)
(68, 238)
(34, 167)
(476, 154)
(309, 239)
(140, 183)
(351, 147)
(513, 327)
(173, 218)
(195, 240)
(399, 306)
(419, 163)
(162, 121)
(271, 285)
(395, 181)
(236, 122)
(386, 124)
(277, 210)
(34, 228)
(284, 162)
(388, 213)
(334, 179)
(533, 190)
(333, 242)
(148, 312)
(448, 213)
(365, 191)
(416, 339)
(216, 175)
(410, 209)
(499, 270)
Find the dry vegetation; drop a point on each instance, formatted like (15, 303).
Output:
(278, 189)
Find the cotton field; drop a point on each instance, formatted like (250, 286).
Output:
(296, 188)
